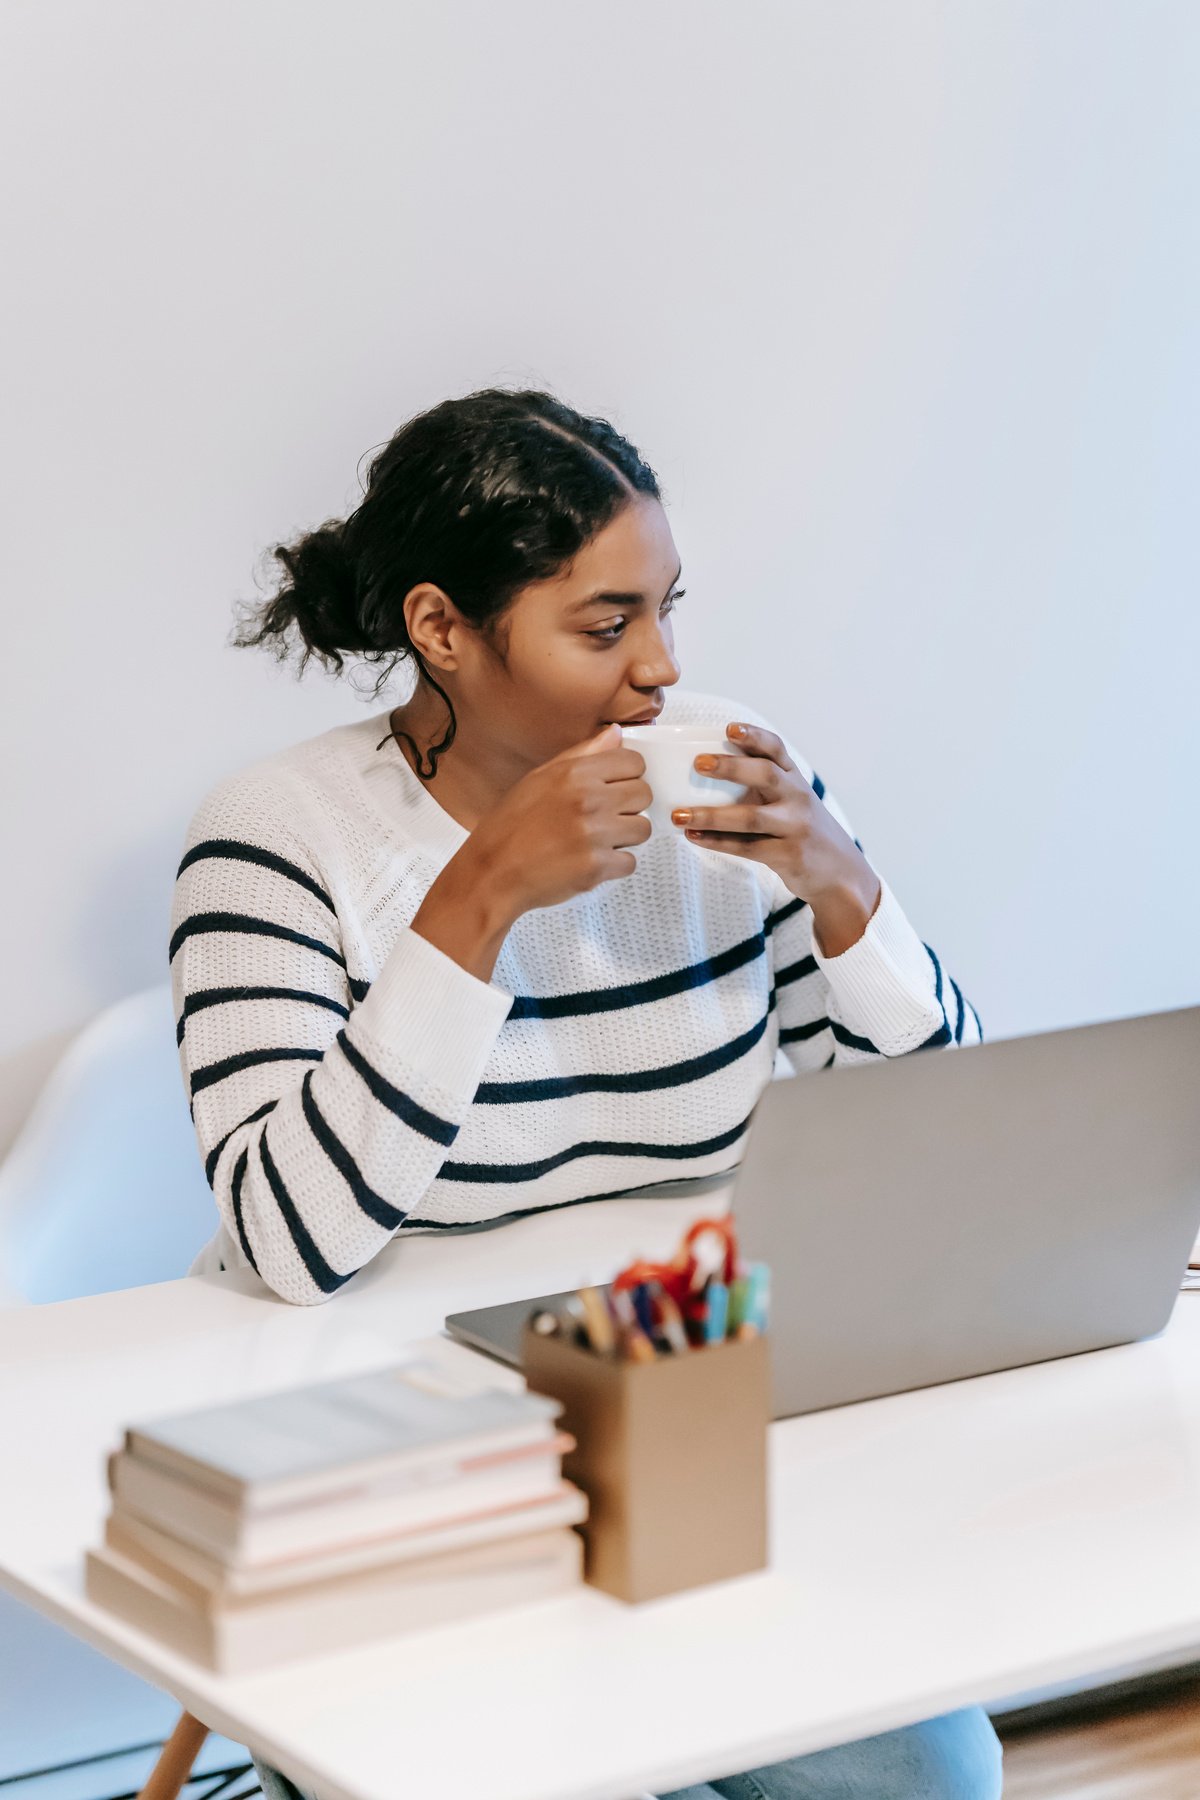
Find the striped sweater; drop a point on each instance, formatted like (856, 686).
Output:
(349, 1082)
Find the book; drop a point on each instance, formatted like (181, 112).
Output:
(235, 1638)
(229, 1532)
(196, 1573)
(300, 1443)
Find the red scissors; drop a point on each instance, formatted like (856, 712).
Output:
(685, 1276)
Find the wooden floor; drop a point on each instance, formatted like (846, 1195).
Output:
(1131, 1747)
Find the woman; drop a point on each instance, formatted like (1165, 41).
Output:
(432, 909)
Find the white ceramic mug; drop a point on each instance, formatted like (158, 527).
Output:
(669, 752)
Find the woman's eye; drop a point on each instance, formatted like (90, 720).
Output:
(611, 633)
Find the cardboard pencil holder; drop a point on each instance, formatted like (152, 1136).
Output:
(672, 1456)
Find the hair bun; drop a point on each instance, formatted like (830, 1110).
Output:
(323, 591)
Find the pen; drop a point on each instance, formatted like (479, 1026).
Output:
(670, 1320)
(758, 1297)
(718, 1312)
(622, 1305)
(632, 1342)
(643, 1309)
(739, 1294)
(597, 1322)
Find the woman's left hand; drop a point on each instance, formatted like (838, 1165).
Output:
(782, 823)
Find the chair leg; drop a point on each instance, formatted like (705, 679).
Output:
(175, 1764)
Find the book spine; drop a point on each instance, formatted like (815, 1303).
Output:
(240, 1641)
(249, 1539)
(434, 1467)
(209, 1578)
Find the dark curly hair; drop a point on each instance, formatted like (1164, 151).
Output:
(480, 496)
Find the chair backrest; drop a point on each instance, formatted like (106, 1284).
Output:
(104, 1186)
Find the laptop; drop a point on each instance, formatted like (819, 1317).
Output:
(953, 1212)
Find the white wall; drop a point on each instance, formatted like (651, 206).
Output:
(900, 299)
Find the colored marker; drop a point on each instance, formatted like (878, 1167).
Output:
(717, 1316)
(643, 1308)
(670, 1320)
(759, 1298)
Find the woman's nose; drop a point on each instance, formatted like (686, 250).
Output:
(659, 674)
(660, 669)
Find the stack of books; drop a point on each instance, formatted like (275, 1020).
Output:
(326, 1516)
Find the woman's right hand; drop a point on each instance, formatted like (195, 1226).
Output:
(563, 828)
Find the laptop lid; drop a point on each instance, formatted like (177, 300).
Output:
(950, 1213)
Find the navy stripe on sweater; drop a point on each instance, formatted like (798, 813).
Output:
(242, 923)
(943, 1034)
(371, 1203)
(238, 1173)
(851, 1041)
(205, 997)
(807, 965)
(247, 1059)
(787, 911)
(626, 1081)
(657, 987)
(795, 1034)
(507, 1172)
(412, 1225)
(960, 1019)
(442, 1131)
(214, 1155)
(638, 993)
(325, 1276)
(251, 853)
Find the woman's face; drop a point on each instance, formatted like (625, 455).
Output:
(582, 649)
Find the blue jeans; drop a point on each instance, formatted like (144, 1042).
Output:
(954, 1757)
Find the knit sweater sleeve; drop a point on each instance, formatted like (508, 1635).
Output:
(321, 1123)
(886, 995)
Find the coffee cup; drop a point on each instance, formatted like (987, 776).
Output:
(670, 752)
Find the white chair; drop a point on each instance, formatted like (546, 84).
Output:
(103, 1189)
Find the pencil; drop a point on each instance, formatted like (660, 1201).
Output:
(598, 1322)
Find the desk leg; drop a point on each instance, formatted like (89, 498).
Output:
(175, 1764)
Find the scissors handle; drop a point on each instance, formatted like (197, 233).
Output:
(724, 1226)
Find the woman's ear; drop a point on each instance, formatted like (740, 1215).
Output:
(433, 622)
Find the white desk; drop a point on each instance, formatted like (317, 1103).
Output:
(958, 1544)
